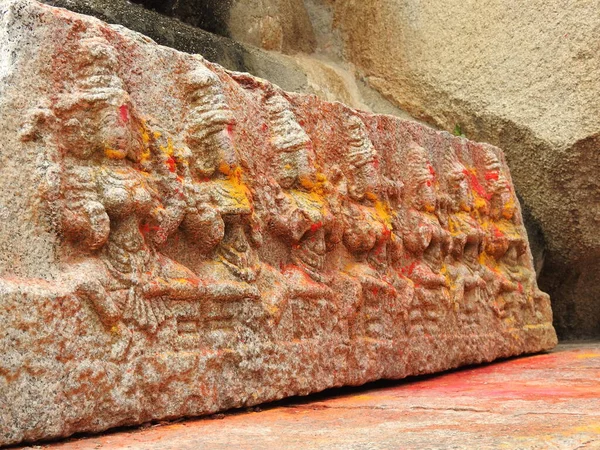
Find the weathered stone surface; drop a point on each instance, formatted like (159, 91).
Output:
(232, 55)
(520, 75)
(178, 239)
(537, 402)
(330, 80)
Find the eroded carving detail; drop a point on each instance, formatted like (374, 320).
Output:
(209, 241)
(219, 211)
(302, 217)
(368, 230)
(427, 243)
(381, 257)
(467, 283)
(111, 209)
(418, 251)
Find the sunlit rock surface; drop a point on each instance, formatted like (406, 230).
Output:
(177, 239)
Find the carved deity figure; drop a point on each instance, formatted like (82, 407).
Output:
(219, 217)
(303, 219)
(367, 233)
(513, 282)
(426, 242)
(466, 272)
(110, 207)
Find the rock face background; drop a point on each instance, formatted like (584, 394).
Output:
(520, 76)
(178, 239)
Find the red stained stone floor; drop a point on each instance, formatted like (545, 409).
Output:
(547, 401)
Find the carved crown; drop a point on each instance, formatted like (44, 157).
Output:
(361, 150)
(286, 133)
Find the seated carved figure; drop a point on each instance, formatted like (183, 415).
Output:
(301, 217)
(466, 272)
(512, 282)
(405, 287)
(110, 207)
(426, 242)
(218, 219)
(367, 233)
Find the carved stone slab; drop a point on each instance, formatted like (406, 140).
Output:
(177, 239)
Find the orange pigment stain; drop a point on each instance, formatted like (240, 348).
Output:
(113, 154)
(588, 355)
(497, 232)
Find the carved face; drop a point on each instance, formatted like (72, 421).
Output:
(471, 252)
(217, 153)
(235, 235)
(119, 138)
(421, 179)
(502, 202)
(461, 192)
(507, 204)
(293, 168)
(426, 196)
(106, 129)
(365, 182)
(314, 249)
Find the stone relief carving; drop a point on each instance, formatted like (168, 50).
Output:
(367, 233)
(427, 243)
(178, 239)
(111, 210)
(383, 258)
(219, 210)
(302, 216)
(467, 283)
(505, 246)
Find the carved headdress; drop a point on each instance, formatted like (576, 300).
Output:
(94, 113)
(495, 180)
(454, 170)
(209, 112)
(502, 202)
(95, 77)
(460, 195)
(421, 191)
(96, 67)
(286, 133)
(419, 168)
(360, 148)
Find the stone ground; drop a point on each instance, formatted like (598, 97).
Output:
(546, 401)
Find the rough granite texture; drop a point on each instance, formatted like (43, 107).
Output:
(512, 74)
(539, 402)
(318, 74)
(178, 239)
